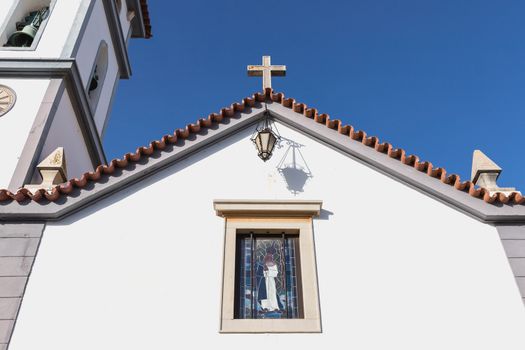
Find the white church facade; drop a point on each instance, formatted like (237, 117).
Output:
(215, 236)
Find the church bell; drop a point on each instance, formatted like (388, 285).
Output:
(23, 38)
(93, 84)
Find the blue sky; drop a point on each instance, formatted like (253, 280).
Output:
(437, 78)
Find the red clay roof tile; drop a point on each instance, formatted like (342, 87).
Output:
(360, 136)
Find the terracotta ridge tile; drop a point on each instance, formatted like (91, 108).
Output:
(399, 154)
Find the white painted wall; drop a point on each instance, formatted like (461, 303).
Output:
(65, 132)
(106, 96)
(6, 5)
(397, 270)
(15, 126)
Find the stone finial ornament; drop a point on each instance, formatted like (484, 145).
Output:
(485, 173)
(53, 171)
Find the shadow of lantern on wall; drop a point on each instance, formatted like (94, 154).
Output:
(293, 167)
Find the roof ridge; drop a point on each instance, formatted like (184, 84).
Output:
(439, 173)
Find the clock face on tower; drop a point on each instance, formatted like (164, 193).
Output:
(7, 99)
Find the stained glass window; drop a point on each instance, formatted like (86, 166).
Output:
(267, 277)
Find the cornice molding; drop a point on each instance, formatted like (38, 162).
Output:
(252, 208)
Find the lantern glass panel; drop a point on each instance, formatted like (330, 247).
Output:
(265, 137)
(271, 143)
(258, 143)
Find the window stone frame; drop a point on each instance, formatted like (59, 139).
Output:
(288, 216)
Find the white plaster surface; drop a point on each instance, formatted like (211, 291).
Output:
(396, 269)
(15, 126)
(6, 5)
(65, 132)
(106, 95)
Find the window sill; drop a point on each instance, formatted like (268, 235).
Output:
(271, 326)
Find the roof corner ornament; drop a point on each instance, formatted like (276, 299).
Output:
(485, 173)
(267, 71)
(53, 171)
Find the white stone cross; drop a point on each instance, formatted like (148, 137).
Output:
(266, 71)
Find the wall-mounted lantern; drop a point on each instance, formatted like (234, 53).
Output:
(265, 138)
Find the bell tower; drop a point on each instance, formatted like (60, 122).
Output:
(60, 64)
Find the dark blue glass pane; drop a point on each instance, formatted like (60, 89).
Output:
(291, 277)
(244, 289)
